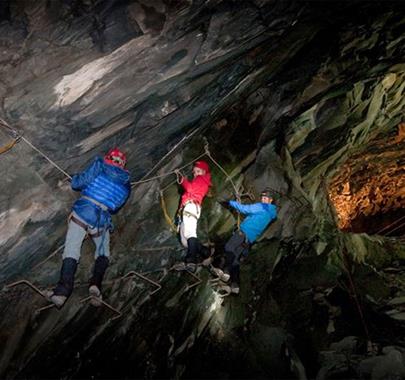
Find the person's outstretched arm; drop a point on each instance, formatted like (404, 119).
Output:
(246, 209)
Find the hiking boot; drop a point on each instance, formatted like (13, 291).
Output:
(64, 287)
(223, 276)
(95, 293)
(100, 266)
(58, 301)
(224, 291)
(209, 257)
(191, 267)
(207, 262)
(179, 266)
(235, 288)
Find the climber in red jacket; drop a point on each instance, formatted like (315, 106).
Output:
(190, 211)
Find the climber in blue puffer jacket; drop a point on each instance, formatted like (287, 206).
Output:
(105, 187)
(258, 217)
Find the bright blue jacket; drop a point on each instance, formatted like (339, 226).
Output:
(106, 184)
(259, 215)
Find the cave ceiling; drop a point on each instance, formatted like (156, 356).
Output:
(306, 97)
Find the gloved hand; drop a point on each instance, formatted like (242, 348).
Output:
(224, 203)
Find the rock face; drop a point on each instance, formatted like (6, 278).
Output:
(306, 98)
(371, 187)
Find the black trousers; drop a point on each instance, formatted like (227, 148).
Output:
(196, 252)
(236, 248)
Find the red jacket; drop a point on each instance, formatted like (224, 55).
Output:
(196, 189)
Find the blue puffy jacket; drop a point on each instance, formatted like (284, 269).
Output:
(108, 185)
(259, 215)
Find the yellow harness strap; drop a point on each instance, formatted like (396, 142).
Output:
(166, 215)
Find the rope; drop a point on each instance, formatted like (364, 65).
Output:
(390, 225)
(14, 141)
(396, 228)
(46, 157)
(7, 147)
(208, 153)
(170, 184)
(143, 180)
(354, 292)
(162, 200)
(19, 136)
(166, 174)
(49, 257)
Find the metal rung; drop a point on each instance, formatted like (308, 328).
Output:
(27, 283)
(35, 289)
(108, 306)
(47, 307)
(198, 282)
(133, 274)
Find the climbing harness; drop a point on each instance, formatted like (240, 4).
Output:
(86, 227)
(177, 171)
(97, 203)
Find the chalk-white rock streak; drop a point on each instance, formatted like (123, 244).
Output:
(73, 86)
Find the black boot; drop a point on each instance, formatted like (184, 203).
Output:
(100, 266)
(192, 251)
(67, 278)
(64, 287)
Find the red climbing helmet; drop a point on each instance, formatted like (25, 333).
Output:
(202, 165)
(115, 157)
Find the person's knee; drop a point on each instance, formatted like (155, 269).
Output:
(183, 241)
(189, 235)
(186, 235)
(102, 249)
(72, 252)
(102, 253)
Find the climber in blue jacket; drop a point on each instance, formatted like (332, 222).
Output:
(105, 187)
(258, 217)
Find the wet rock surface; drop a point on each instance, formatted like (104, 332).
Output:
(289, 95)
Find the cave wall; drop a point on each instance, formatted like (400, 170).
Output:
(284, 92)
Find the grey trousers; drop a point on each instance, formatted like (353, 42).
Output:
(74, 240)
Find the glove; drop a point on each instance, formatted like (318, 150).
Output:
(224, 203)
